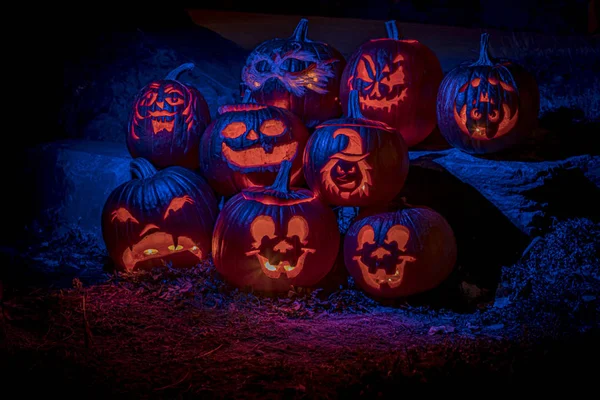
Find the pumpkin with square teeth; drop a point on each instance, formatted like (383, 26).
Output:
(398, 81)
(298, 74)
(159, 216)
(270, 239)
(487, 106)
(167, 121)
(400, 253)
(246, 143)
(354, 161)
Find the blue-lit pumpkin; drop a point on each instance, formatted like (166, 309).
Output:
(159, 216)
(167, 120)
(400, 253)
(270, 239)
(354, 161)
(246, 143)
(488, 105)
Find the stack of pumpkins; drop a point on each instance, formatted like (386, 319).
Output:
(313, 131)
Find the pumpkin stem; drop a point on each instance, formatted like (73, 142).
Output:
(175, 73)
(484, 53)
(392, 30)
(299, 34)
(247, 97)
(282, 181)
(142, 168)
(354, 105)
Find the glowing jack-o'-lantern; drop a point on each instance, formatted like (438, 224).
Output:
(398, 81)
(487, 106)
(298, 74)
(274, 237)
(159, 216)
(397, 254)
(354, 161)
(245, 145)
(167, 121)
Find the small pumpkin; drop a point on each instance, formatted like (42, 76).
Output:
(297, 74)
(159, 216)
(246, 143)
(401, 253)
(269, 239)
(167, 120)
(398, 81)
(488, 105)
(354, 161)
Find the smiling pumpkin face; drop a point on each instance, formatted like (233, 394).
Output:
(401, 253)
(246, 144)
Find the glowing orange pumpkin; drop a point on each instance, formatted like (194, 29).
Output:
(159, 216)
(271, 238)
(166, 122)
(398, 81)
(401, 253)
(354, 161)
(487, 106)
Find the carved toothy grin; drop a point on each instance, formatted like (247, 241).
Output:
(256, 156)
(290, 268)
(156, 245)
(162, 120)
(368, 103)
(380, 276)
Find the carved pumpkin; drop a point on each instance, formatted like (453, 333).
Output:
(297, 74)
(401, 253)
(354, 161)
(158, 216)
(398, 82)
(271, 238)
(487, 106)
(167, 121)
(245, 145)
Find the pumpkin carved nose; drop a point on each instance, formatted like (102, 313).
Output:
(283, 246)
(252, 135)
(380, 253)
(160, 103)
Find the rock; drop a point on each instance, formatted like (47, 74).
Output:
(71, 179)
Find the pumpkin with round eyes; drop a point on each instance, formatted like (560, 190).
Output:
(398, 81)
(297, 74)
(159, 216)
(354, 161)
(487, 106)
(167, 121)
(270, 239)
(401, 253)
(246, 143)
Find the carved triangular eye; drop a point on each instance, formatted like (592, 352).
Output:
(297, 226)
(366, 235)
(262, 226)
(399, 234)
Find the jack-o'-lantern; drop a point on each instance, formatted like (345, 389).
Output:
(401, 253)
(297, 74)
(167, 121)
(398, 82)
(246, 143)
(272, 238)
(159, 216)
(354, 161)
(487, 106)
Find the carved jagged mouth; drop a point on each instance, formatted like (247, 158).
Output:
(256, 156)
(157, 245)
(379, 275)
(289, 268)
(162, 120)
(369, 103)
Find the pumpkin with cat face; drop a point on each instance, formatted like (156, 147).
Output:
(487, 106)
(398, 81)
(159, 216)
(270, 239)
(246, 144)
(400, 253)
(297, 74)
(167, 121)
